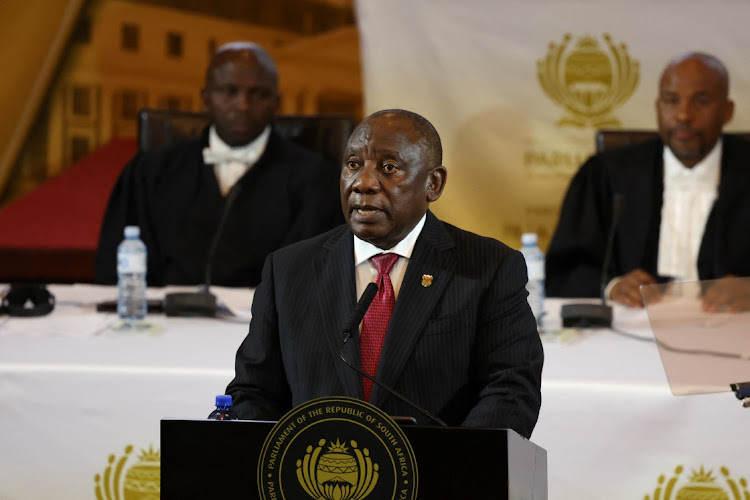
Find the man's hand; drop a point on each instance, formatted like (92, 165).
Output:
(730, 294)
(626, 290)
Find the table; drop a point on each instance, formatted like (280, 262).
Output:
(612, 428)
(78, 400)
(76, 396)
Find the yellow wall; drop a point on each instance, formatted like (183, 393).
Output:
(32, 35)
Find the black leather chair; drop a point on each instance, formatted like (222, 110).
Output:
(607, 139)
(325, 134)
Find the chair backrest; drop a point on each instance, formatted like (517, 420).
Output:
(607, 139)
(325, 134)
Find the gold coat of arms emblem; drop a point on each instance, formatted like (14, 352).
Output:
(701, 484)
(141, 481)
(587, 81)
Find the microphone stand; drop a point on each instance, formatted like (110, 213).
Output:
(596, 315)
(363, 304)
(202, 302)
(400, 396)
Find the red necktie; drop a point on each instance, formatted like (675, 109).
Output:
(375, 322)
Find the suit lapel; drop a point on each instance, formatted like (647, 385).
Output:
(433, 256)
(335, 285)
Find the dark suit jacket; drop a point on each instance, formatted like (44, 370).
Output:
(290, 194)
(576, 253)
(465, 348)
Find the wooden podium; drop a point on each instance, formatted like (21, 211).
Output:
(208, 459)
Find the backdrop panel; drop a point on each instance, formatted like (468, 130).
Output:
(517, 88)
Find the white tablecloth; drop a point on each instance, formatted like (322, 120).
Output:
(612, 428)
(77, 399)
(74, 393)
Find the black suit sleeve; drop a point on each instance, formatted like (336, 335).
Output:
(509, 354)
(260, 390)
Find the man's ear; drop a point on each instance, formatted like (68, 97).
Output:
(436, 183)
(728, 111)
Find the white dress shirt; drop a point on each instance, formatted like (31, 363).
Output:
(689, 194)
(231, 163)
(366, 273)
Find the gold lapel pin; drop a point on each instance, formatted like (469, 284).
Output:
(426, 280)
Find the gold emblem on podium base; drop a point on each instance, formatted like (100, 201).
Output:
(337, 448)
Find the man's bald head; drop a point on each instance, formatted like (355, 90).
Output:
(707, 61)
(433, 147)
(241, 93)
(239, 50)
(693, 105)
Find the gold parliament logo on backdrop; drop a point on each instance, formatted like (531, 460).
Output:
(701, 484)
(587, 81)
(337, 448)
(142, 480)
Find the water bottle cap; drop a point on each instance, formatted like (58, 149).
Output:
(223, 400)
(132, 231)
(528, 239)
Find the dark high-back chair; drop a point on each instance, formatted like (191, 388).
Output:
(325, 134)
(607, 139)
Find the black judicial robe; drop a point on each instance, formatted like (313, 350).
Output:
(290, 194)
(576, 253)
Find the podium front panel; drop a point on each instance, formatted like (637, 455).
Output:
(201, 457)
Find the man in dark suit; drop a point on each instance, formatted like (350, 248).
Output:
(461, 342)
(277, 192)
(686, 210)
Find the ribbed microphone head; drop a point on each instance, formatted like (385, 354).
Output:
(361, 308)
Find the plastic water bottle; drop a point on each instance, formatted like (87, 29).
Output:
(535, 266)
(131, 277)
(223, 409)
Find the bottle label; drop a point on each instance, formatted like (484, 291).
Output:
(131, 263)
(535, 269)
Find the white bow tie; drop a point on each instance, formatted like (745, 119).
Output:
(211, 157)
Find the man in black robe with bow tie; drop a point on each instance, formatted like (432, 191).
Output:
(281, 192)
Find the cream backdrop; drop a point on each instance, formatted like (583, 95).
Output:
(471, 68)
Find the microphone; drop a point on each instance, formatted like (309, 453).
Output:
(596, 315)
(202, 302)
(352, 326)
(359, 311)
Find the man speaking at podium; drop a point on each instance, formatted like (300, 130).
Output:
(450, 327)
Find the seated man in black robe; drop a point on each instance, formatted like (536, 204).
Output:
(281, 192)
(686, 198)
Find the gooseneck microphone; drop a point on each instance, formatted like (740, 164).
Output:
(353, 326)
(596, 315)
(202, 302)
(358, 314)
